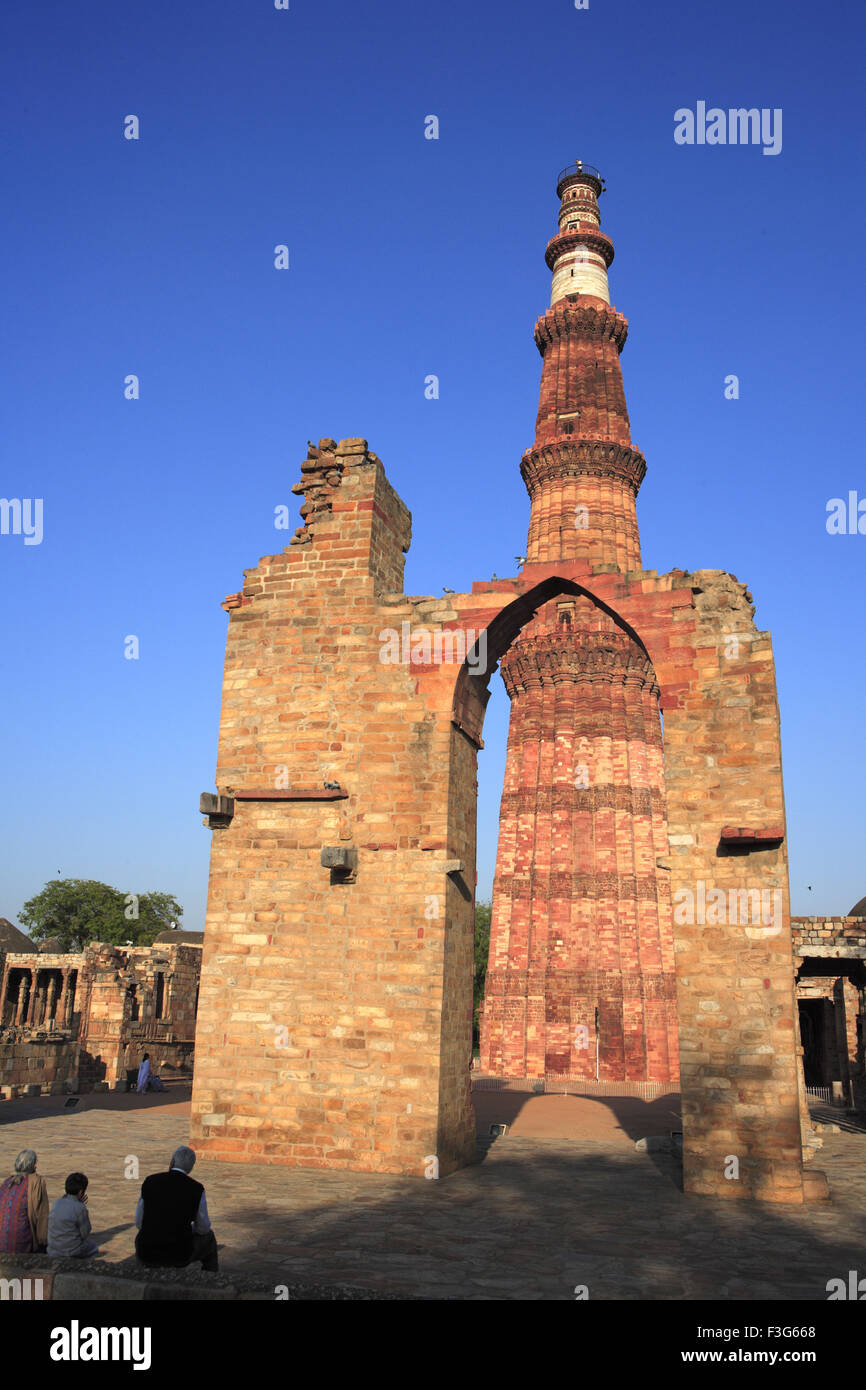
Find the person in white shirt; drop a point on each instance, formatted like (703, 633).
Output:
(69, 1223)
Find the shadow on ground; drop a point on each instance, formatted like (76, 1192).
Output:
(537, 1220)
(533, 1221)
(13, 1112)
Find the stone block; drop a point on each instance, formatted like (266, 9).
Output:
(816, 1185)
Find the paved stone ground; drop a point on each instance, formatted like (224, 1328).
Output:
(534, 1218)
(612, 1119)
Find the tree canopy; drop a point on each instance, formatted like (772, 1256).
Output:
(80, 910)
(483, 911)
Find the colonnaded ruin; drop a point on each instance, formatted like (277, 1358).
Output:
(641, 881)
(80, 1020)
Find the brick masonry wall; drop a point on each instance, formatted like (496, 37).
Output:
(824, 940)
(113, 1041)
(331, 1012)
(335, 1018)
(829, 936)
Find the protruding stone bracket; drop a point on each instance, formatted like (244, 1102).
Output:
(738, 837)
(219, 810)
(342, 861)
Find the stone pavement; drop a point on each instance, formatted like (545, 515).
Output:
(536, 1217)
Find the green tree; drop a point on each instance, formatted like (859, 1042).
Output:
(483, 911)
(80, 910)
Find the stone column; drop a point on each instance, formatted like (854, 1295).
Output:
(39, 1007)
(61, 1008)
(52, 995)
(31, 1006)
(841, 1038)
(23, 993)
(71, 984)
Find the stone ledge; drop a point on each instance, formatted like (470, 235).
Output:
(97, 1281)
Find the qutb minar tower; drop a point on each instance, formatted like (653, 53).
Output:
(581, 969)
(336, 988)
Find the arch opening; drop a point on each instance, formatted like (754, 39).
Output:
(580, 991)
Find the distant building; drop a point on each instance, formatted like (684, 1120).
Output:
(830, 959)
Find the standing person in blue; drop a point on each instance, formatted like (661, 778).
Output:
(172, 1218)
(143, 1074)
(69, 1222)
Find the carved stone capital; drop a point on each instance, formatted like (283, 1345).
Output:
(569, 457)
(569, 318)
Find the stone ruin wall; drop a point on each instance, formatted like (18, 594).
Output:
(96, 1040)
(45, 1054)
(335, 1019)
(830, 958)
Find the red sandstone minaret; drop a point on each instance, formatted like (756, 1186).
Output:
(581, 972)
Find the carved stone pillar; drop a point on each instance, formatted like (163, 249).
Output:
(31, 1006)
(72, 981)
(23, 993)
(52, 995)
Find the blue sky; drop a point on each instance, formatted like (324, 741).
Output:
(408, 257)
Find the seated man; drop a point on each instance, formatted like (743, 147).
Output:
(173, 1224)
(69, 1223)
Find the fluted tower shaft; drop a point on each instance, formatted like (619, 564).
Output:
(582, 474)
(580, 978)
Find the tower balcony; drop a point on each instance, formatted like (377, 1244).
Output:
(579, 170)
(585, 234)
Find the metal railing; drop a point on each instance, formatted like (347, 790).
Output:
(580, 168)
(824, 1093)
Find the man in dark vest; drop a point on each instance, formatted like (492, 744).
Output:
(173, 1225)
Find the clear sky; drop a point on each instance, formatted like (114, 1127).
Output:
(408, 256)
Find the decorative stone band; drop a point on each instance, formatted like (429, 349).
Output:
(554, 657)
(606, 983)
(574, 886)
(638, 801)
(570, 457)
(591, 237)
(568, 318)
